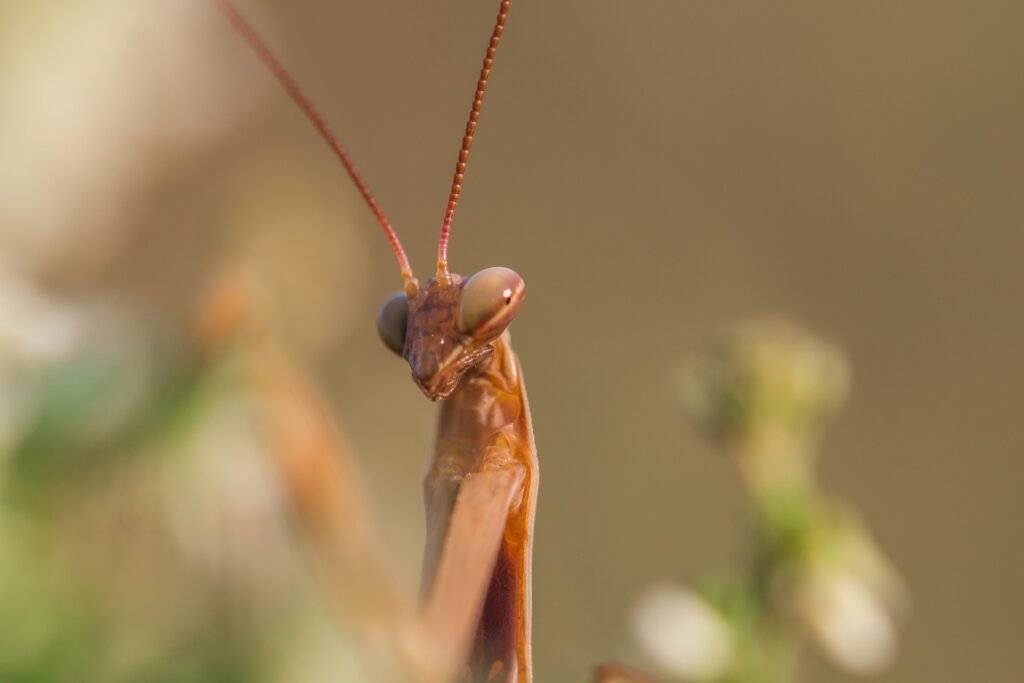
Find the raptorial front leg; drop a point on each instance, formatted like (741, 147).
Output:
(439, 495)
(467, 521)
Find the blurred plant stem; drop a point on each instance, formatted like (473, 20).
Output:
(321, 479)
(764, 394)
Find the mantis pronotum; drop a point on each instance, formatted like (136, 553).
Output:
(481, 487)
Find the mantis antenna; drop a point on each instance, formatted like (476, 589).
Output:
(242, 25)
(467, 141)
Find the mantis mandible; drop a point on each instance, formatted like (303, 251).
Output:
(480, 491)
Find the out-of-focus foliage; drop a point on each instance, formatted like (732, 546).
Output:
(764, 393)
(145, 534)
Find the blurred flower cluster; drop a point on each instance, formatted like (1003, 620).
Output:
(764, 394)
(149, 528)
(147, 520)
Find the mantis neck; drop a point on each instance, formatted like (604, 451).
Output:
(486, 412)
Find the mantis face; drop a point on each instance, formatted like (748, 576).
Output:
(447, 328)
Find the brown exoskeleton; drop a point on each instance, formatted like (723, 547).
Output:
(481, 487)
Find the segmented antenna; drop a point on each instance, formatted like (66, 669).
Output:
(467, 140)
(245, 29)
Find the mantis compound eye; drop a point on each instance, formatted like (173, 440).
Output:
(490, 299)
(392, 319)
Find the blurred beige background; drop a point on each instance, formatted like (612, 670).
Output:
(656, 171)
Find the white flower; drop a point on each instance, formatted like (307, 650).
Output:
(683, 635)
(35, 331)
(850, 621)
(225, 503)
(34, 328)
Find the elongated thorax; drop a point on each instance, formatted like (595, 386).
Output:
(484, 448)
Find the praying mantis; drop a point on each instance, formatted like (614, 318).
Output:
(480, 491)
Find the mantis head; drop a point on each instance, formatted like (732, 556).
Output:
(451, 325)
